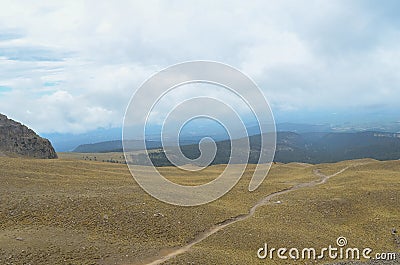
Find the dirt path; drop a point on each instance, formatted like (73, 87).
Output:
(166, 254)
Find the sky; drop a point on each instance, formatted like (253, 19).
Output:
(72, 66)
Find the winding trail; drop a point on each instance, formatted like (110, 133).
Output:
(166, 254)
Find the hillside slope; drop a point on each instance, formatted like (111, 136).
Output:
(85, 212)
(18, 140)
(314, 148)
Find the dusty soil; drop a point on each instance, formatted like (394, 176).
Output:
(67, 211)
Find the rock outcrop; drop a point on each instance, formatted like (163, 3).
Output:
(18, 140)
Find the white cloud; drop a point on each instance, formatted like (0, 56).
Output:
(72, 66)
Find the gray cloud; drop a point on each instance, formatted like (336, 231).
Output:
(304, 55)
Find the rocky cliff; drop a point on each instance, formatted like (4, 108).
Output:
(18, 140)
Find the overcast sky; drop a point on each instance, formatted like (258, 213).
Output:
(71, 66)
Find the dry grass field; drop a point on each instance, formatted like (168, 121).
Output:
(72, 211)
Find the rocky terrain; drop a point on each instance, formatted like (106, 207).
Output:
(18, 140)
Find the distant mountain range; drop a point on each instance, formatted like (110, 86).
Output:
(116, 146)
(308, 147)
(334, 147)
(66, 142)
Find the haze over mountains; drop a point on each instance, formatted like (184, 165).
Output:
(66, 142)
(309, 147)
(295, 143)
